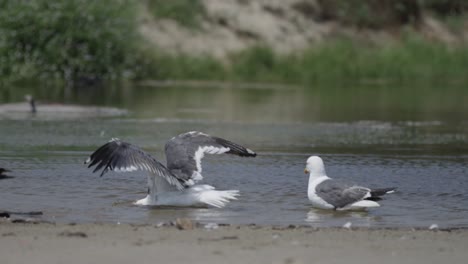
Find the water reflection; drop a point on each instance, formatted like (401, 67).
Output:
(22, 111)
(320, 217)
(407, 102)
(156, 214)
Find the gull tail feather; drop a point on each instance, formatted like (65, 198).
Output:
(382, 191)
(218, 199)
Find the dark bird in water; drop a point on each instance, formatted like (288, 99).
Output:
(31, 102)
(3, 175)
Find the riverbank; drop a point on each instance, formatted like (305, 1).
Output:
(219, 28)
(112, 243)
(84, 43)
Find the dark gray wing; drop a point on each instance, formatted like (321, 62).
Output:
(120, 156)
(340, 194)
(185, 151)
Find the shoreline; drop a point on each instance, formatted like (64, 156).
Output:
(35, 218)
(185, 241)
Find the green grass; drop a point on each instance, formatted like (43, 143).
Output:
(411, 60)
(185, 12)
(335, 61)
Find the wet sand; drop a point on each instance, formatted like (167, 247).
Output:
(112, 243)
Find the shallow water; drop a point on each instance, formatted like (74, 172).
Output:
(381, 141)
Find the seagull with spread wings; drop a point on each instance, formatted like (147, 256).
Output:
(174, 184)
(327, 193)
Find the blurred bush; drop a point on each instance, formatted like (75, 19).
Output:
(70, 40)
(378, 14)
(446, 7)
(371, 13)
(185, 12)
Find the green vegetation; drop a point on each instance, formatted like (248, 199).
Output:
(455, 24)
(335, 61)
(185, 12)
(76, 40)
(67, 39)
(445, 7)
(378, 14)
(371, 13)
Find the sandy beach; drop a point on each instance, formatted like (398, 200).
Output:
(114, 243)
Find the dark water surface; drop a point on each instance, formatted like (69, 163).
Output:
(412, 138)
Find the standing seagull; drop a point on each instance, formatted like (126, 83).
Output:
(173, 184)
(327, 193)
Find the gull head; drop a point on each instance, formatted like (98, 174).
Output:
(314, 166)
(28, 98)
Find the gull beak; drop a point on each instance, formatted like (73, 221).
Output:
(306, 171)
